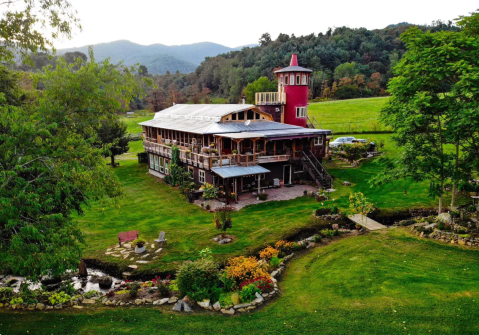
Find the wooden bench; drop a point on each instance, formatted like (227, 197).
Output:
(127, 236)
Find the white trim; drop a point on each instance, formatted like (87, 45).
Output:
(318, 141)
(301, 112)
(202, 176)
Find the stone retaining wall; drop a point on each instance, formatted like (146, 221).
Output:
(449, 237)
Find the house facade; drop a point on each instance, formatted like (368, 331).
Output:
(239, 146)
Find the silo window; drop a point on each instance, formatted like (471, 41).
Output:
(286, 80)
(305, 81)
(298, 82)
(301, 112)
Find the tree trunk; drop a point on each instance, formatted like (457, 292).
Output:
(456, 168)
(112, 160)
(441, 197)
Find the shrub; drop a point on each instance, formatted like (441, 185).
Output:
(134, 287)
(90, 294)
(242, 268)
(210, 192)
(163, 286)
(6, 293)
(265, 285)
(471, 209)
(334, 209)
(275, 261)
(328, 233)
(122, 292)
(167, 179)
(16, 301)
(68, 288)
(317, 238)
(228, 283)
(248, 292)
(59, 298)
(199, 279)
(268, 253)
(110, 294)
(284, 247)
(208, 207)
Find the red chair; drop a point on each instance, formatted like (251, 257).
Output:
(127, 236)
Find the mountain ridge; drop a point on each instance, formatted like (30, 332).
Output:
(157, 57)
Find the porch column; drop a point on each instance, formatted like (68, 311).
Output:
(274, 148)
(236, 188)
(259, 184)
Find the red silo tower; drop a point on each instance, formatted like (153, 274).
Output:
(294, 81)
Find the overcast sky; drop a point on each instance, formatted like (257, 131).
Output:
(236, 23)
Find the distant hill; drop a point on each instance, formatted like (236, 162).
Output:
(399, 24)
(158, 58)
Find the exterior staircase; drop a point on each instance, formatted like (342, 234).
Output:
(316, 170)
(313, 123)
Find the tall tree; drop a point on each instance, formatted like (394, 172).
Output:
(19, 26)
(263, 84)
(434, 102)
(113, 139)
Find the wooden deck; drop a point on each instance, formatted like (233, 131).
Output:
(366, 222)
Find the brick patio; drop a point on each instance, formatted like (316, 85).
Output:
(274, 194)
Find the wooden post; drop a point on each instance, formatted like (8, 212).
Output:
(259, 184)
(236, 188)
(274, 148)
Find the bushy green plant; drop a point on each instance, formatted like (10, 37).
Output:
(226, 282)
(134, 287)
(263, 196)
(334, 209)
(199, 279)
(59, 298)
(28, 296)
(6, 293)
(91, 294)
(328, 233)
(138, 243)
(274, 262)
(16, 301)
(317, 238)
(68, 288)
(471, 209)
(248, 292)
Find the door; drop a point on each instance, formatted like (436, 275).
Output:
(287, 174)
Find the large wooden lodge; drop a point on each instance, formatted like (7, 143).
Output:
(240, 145)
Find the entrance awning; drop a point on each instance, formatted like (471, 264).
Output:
(238, 171)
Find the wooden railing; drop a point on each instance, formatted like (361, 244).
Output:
(270, 98)
(206, 161)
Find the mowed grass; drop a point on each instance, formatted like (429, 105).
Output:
(150, 206)
(379, 283)
(355, 115)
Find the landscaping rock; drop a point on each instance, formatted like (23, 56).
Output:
(346, 183)
(164, 301)
(187, 307)
(138, 301)
(88, 301)
(172, 300)
(235, 298)
(127, 245)
(230, 311)
(177, 307)
(241, 310)
(40, 306)
(58, 306)
(241, 306)
(142, 262)
(250, 308)
(188, 300)
(205, 304)
(217, 306)
(133, 266)
(445, 218)
(78, 307)
(157, 251)
(82, 269)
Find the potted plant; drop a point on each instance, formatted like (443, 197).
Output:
(205, 150)
(139, 245)
(234, 152)
(358, 226)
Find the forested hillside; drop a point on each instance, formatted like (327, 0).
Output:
(347, 63)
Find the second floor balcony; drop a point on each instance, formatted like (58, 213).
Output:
(270, 98)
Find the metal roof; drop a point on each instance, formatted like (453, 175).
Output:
(238, 171)
(241, 135)
(206, 112)
(293, 69)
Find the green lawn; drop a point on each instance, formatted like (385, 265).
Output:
(353, 116)
(380, 283)
(132, 122)
(150, 206)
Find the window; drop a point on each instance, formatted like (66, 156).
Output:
(167, 170)
(298, 82)
(286, 80)
(157, 168)
(241, 115)
(318, 141)
(202, 177)
(305, 80)
(258, 116)
(152, 163)
(233, 117)
(301, 112)
(162, 164)
(281, 79)
(191, 171)
(250, 115)
(292, 80)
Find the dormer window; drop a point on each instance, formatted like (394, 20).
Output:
(233, 117)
